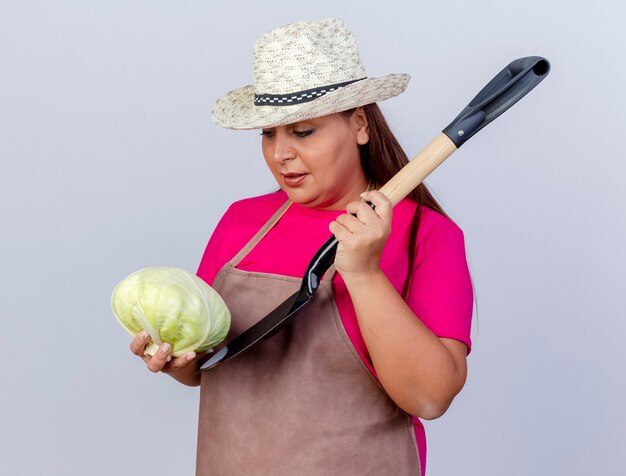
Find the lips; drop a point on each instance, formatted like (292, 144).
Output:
(293, 179)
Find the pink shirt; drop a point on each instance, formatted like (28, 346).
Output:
(441, 292)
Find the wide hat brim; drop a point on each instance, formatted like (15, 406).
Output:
(237, 110)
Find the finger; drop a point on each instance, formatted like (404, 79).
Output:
(160, 358)
(384, 208)
(366, 213)
(352, 207)
(351, 223)
(139, 342)
(183, 361)
(341, 232)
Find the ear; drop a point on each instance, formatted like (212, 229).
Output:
(359, 120)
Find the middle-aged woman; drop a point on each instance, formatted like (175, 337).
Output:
(384, 342)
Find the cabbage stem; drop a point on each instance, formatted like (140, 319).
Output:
(138, 314)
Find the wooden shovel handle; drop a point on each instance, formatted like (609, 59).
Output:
(412, 174)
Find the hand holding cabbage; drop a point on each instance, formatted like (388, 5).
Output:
(173, 306)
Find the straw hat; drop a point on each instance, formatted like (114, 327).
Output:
(301, 71)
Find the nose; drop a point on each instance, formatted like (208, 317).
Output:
(283, 145)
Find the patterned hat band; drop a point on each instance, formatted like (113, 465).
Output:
(300, 96)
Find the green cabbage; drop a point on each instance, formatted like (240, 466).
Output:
(174, 306)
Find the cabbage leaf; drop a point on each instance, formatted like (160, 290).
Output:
(174, 306)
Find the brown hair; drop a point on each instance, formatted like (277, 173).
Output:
(381, 158)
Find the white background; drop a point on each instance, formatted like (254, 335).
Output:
(110, 163)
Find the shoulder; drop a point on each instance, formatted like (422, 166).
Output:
(436, 232)
(269, 201)
(240, 222)
(432, 223)
(251, 211)
(439, 239)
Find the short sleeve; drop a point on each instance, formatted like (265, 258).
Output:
(441, 291)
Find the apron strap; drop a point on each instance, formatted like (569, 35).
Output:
(328, 276)
(260, 234)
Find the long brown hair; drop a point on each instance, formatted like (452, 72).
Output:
(381, 158)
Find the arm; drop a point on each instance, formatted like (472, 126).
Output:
(421, 372)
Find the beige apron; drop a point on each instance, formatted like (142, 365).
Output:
(302, 402)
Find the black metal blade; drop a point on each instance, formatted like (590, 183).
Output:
(276, 320)
(269, 325)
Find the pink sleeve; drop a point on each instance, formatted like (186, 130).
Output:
(441, 292)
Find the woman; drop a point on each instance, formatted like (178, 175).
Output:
(384, 342)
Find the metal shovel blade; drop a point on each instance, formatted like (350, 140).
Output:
(276, 320)
(267, 326)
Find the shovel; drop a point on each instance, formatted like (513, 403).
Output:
(504, 90)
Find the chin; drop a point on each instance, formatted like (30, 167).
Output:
(300, 198)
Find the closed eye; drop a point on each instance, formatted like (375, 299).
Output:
(304, 133)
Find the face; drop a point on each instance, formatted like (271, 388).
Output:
(316, 162)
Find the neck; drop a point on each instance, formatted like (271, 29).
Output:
(341, 203)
